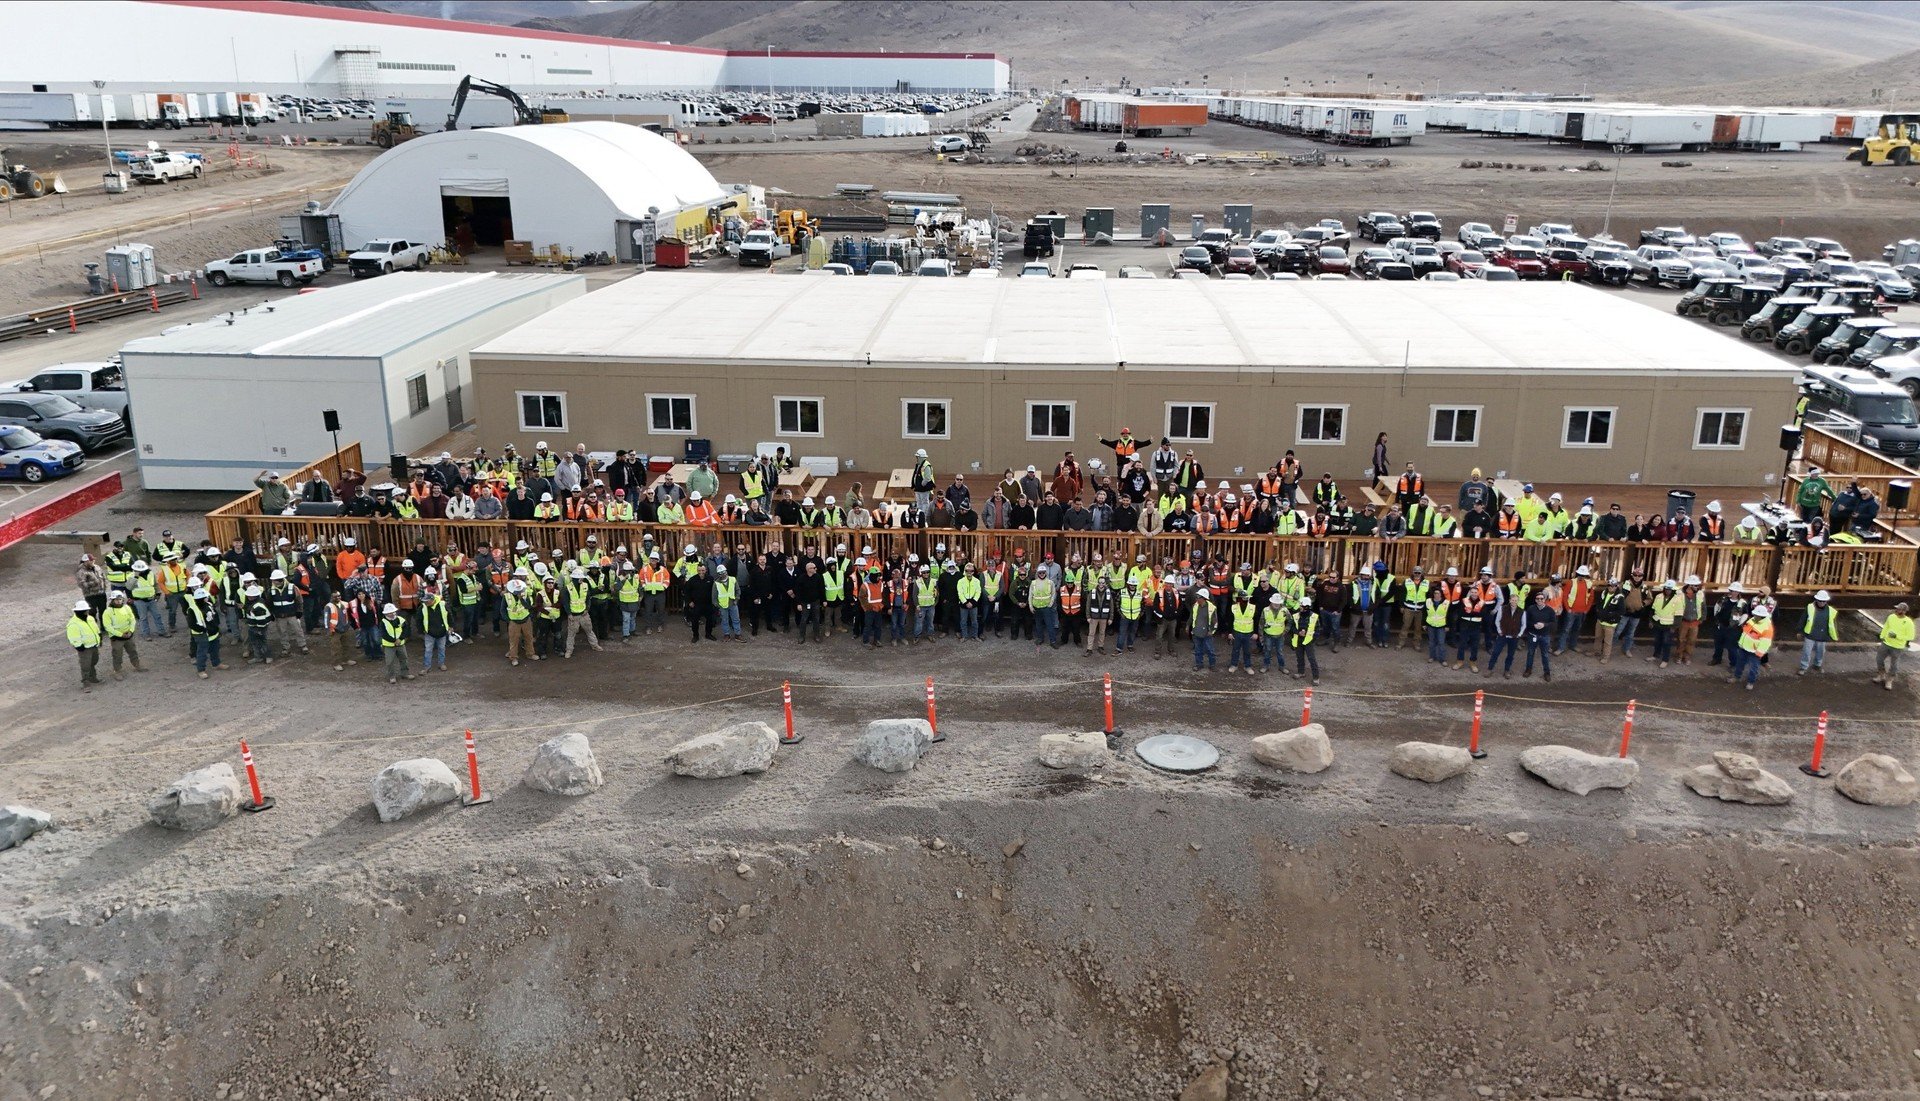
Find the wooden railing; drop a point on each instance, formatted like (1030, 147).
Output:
(1841, 461)
(228, 522)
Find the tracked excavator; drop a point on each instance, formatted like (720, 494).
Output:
(523, 114)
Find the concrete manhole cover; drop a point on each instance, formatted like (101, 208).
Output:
(1178, 753)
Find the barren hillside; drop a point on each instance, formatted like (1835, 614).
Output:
(1894, 81)
(1869, 28)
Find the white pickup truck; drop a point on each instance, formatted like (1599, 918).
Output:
(263, 265)
(155, 167)
(93, 385)
(385, 254)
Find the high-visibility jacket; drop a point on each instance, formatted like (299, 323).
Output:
(1539, 528)
(1287, 523)
(173, 577)
(873, 595)
(1141, 576)
(519, 608)
(654, 579)
(551, 605)
(545, 463)
(702, 514)
(686, 569)
(1244, 583)
(751, 484)
(836, 581)
(1666, 608)
(1069, 600)
(725, 592)
(1131, 603)
(629, 588)
(1517, 594)
(672, 513)
(1444, 527)
(405, 509)
(968, 588)
(118, 564)
(620, 511)
(337, 618)
(432, 611)
(576, 598)
(1411, 485)
(1756, 636)
(1242, 617)
(83, 632)
(1437, 609)
(142, 586)
(1040, 594)
(1579, 595)
(1473, 606)
(201, 619)
(1415, 594)
(1273, 622)
(1293, 587)
(1711, 528)
(257, 613)
(992, 582)
(1507, 524)
(1451, 591)
(1304, 626)
(1897, 632)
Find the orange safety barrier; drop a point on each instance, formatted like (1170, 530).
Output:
(1626, 731)
(931, 723)
(786, 704)
(1106, 690)
(473, 777)
(1812, 768)
(260, 802)
(1473, 742)
(73, 323)
(1306, 708)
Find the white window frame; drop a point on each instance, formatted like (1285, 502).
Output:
(1073, 420)
(520, 409)
(1213, 413)
(1300, 423)
(1699, 421)
(821, 415)
(426, 395)
(945, 404)
(693, 415)
(1566, 421)
(1479, 422)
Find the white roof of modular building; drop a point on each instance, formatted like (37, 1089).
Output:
(566, 183)
(367, 319)
(1147, 324)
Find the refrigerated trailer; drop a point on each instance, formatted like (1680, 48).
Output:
(53, 110)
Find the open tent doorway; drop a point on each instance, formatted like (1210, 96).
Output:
(476, 214)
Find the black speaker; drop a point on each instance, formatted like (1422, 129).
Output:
(1899, 493)
(1789, 438)
(397, 468)
(330, 419)
(317, 508)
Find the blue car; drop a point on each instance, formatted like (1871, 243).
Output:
(25, 455)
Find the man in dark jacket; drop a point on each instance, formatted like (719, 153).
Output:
(1330, 602)
(1613, 526)
(696, 602)
(808, 593)
(1050, 515)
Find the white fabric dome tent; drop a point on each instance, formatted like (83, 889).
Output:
(566, 184)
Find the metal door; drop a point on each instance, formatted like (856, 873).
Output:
(456, 415)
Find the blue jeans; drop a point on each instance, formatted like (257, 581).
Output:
(629, 617)
(148, 612)
(176, 607)
(730, 621)
(230, 619)
(1502, 645)
(206, 649)
(1623, 634)
(435, 653)
(1242, 652)
(1746, 666)
(1303, 658)
(1203, 651)
(1466, 643)
(370, 642)
(1046, 624)
(899, 622)
(1330, 627)
(1813, 653)
(1537, 643)
(1437, 643)
(1124, 635)
(470, 620)
(1570, 625)
(1382, 624)
(873, 626)
(1276, 655)
(1662, 642)
(969, 621)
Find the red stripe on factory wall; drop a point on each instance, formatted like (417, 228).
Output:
(65, 507)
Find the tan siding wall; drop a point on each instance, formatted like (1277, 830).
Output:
(1255, 416)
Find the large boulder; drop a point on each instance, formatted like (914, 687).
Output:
(1576, 770)
(200, 800)
(19, 823)
(1877, 780)
(1737, 778)
(729, 751)
(1428, 761)
(1302, 749)
(893, 745)
(404, 787)
(1078, 751)
(564, 766)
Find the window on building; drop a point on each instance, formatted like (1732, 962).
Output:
(1190, 422)
(1321, 424)
(670, 413)
(1049, 420)
(924, 418)
(416, 395)
(1454, 426)
(796, 416)
(1721, 428)
(539, 412)
(1588, 428)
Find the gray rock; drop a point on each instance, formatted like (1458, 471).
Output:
(893, 745)
(1429, 761)
(19, 823)
(405, 787)
(1077, 751)
(1714, 782)
(1210, 1086)
(200, 800)
(1740, 766)
(564, 766)
(1302, 749)
(1576, 770)
(1877, 780)
(729, 751)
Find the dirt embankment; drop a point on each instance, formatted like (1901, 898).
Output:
(1076, 942)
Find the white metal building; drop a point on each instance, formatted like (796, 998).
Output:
(272, 46)
(570, 185)
(218, 401)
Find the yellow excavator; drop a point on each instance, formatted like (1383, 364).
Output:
(1897, 142)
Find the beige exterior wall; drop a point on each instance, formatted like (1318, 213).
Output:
(1255, 417)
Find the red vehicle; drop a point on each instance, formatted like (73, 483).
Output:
(1565, 263)
(1527, 263)
(1467, 264)
(752, 117)
(1332, 260)
(1240, 258)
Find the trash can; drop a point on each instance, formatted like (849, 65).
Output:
(670, 252)
(1679, 501)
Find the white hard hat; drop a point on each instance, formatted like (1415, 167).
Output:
(117, 594)
(720, 569)
(1583, 571)
(1452, 572)
(939, 546)
(695, 495)
(1277, 600)
(806, 500)
(829, 499)
(516, 586)
(593, 538)
(546, 498)
(283, 541)
(920, 454)
(254, 590)
(542, 444)
(82, 606)
(521, 545)
(1713, 505)
(313, 548)
(406, 563)
(431, 572)
(1486, 571)
(1692, 578)
(579, 573)
(141, 564)
(277, 575)
(246, 577)
(348, 541)
(389, 610)
(203, 570)
(1201, 484)
(731, 499)
(690, 551)
(1293, 567)
(1823, 595)
(860, 561)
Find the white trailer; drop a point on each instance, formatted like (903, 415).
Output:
(1657, 130)
(140, 109)
(1771, 129)
(56, 110)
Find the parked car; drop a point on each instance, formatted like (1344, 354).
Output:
(752, 118)
(100, 385)
(1773, 246)
(56, 418)
(1884, 411)
(1895, 341)
(1135, 271)
(1293, 257)
(888, 267)
(1331, 260)
(1892, 286)
(1725, 242)
(1371, 258)
(1903, 370)
(1671, 236)
(1240, 260)
(1565, 263)
(1523, 261)
(1762, 326)
(948, 143)
(1824, 247)
(1195, 258)
(1422, 223)
(386, 254)
(1381, 226)
(1393, 271)
(1607, 266)
(1039, 270)
(1706, 296)
(1440, 277)
(935, 269)
(1658, 264)
(1467, 264)
(760, 248)
(1547, 231)
(1815, 324)
(1847, 336)
(1267, 241)
(1495, 274)
(1424, 258)
(1216, 242)
(29, 457)
(1470, 233)
(161, 167)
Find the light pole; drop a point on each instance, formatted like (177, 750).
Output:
(1606, 226)
(773, 124)
(100, 86)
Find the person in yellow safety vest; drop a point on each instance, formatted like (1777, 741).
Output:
(588, 554)
(579, 618)
(1756, 638)
(1748, 534)
(1538, 527)
(1140, 576)
(545, 463)
(393, 644)
(1664, 609)
(1293, 585)
(833, 577)
(689, 564)
(174, 583)
(1435, 611)
(1800, 414)
(1046, 617)
(1896, 634)
(520, 606)
(546, 511)
(1528, 505)
(145, 591)
(118, 623)
(753, 485)
(1130, 606)
(1274, 624)
(968, 592)
(671, 511)
(117, 563)
(654, 579)
(1171, 503)
(1413, 603)
(1241, 617)
(726, 603)
(1287, 522)
(1245, 582)
(620, 510)
(83, 634)
(626, 589)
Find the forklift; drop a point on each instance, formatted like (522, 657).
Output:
(1895, 143)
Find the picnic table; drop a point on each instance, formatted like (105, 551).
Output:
(795, 478)
(1509, 489)
(901, 477)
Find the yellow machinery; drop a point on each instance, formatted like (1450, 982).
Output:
(1898, 141)
(395, 128)
(791, 225)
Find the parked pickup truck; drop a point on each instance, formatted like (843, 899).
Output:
(155, 167)
(99, 385)
(1675, 236)
(1659, 264)
(263, 265)
(760, 248)
(385, 254)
